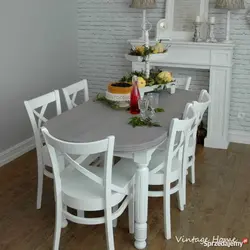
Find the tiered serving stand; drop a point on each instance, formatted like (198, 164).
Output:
(124, 99)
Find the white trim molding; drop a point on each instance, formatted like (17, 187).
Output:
(14, 152)
(239, 136)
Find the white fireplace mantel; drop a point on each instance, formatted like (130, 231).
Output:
(216, 57)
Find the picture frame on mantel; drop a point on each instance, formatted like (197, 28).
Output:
(180, 16)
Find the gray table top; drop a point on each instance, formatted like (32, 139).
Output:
(93, 121)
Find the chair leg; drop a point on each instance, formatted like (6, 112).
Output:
(64, 220)
(183, 189)
(192, 170)
(114, 209)
(180, 197)
(58, 224)
(109, 229)
(167, 214)
(40, 185)
(131, 214)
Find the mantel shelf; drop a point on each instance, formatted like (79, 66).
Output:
(219, 45)
(152, 57)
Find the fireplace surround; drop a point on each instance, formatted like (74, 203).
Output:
(217, 58)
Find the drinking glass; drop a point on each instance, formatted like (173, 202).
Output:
(143, 106)
(153, 99)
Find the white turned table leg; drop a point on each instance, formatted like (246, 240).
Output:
(141, 206)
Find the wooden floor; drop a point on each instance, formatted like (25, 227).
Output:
(218, 204)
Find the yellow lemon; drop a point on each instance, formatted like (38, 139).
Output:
(140, 49)
(141, 82)
(159, 47)
(164, 77)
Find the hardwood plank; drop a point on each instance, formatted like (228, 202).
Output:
(218, 204)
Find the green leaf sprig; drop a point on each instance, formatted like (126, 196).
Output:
(139, 122)
(104, 100)
(159, 110)
(161, 87)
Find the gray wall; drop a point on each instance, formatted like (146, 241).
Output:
(105, 27)
(38, 53)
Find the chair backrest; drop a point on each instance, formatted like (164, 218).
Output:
(199, 110)
(73, 151)
(37, 118)
(183, 83)
(201, 106)
(70, 93)
(179, 132)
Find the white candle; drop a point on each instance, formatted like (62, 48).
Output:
(198, 19)
(146, 38)
(212, 19)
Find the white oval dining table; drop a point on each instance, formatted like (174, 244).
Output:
(94, 121)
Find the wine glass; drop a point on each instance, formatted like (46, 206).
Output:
(143, 106)
(153, 99)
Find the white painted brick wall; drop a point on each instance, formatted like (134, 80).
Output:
(106, 25)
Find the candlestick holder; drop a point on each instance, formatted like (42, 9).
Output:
(146, 30)
(197, 32)
(210, 36)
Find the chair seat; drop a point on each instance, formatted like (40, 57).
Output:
(157, 160)
(121, 176)
(79, 192)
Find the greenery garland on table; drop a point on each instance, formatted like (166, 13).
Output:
(139, 122)
(104, 100)
(159, 110)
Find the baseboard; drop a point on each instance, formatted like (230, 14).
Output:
(220, 144)
(14, 152)
(239, 136)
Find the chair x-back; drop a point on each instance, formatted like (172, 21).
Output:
(37, 119)
(70, 93)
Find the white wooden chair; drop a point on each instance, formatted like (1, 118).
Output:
(37, 119)
(167, 166)
(79, 188)
(70, 93)
(183, 83)
(199, 108)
